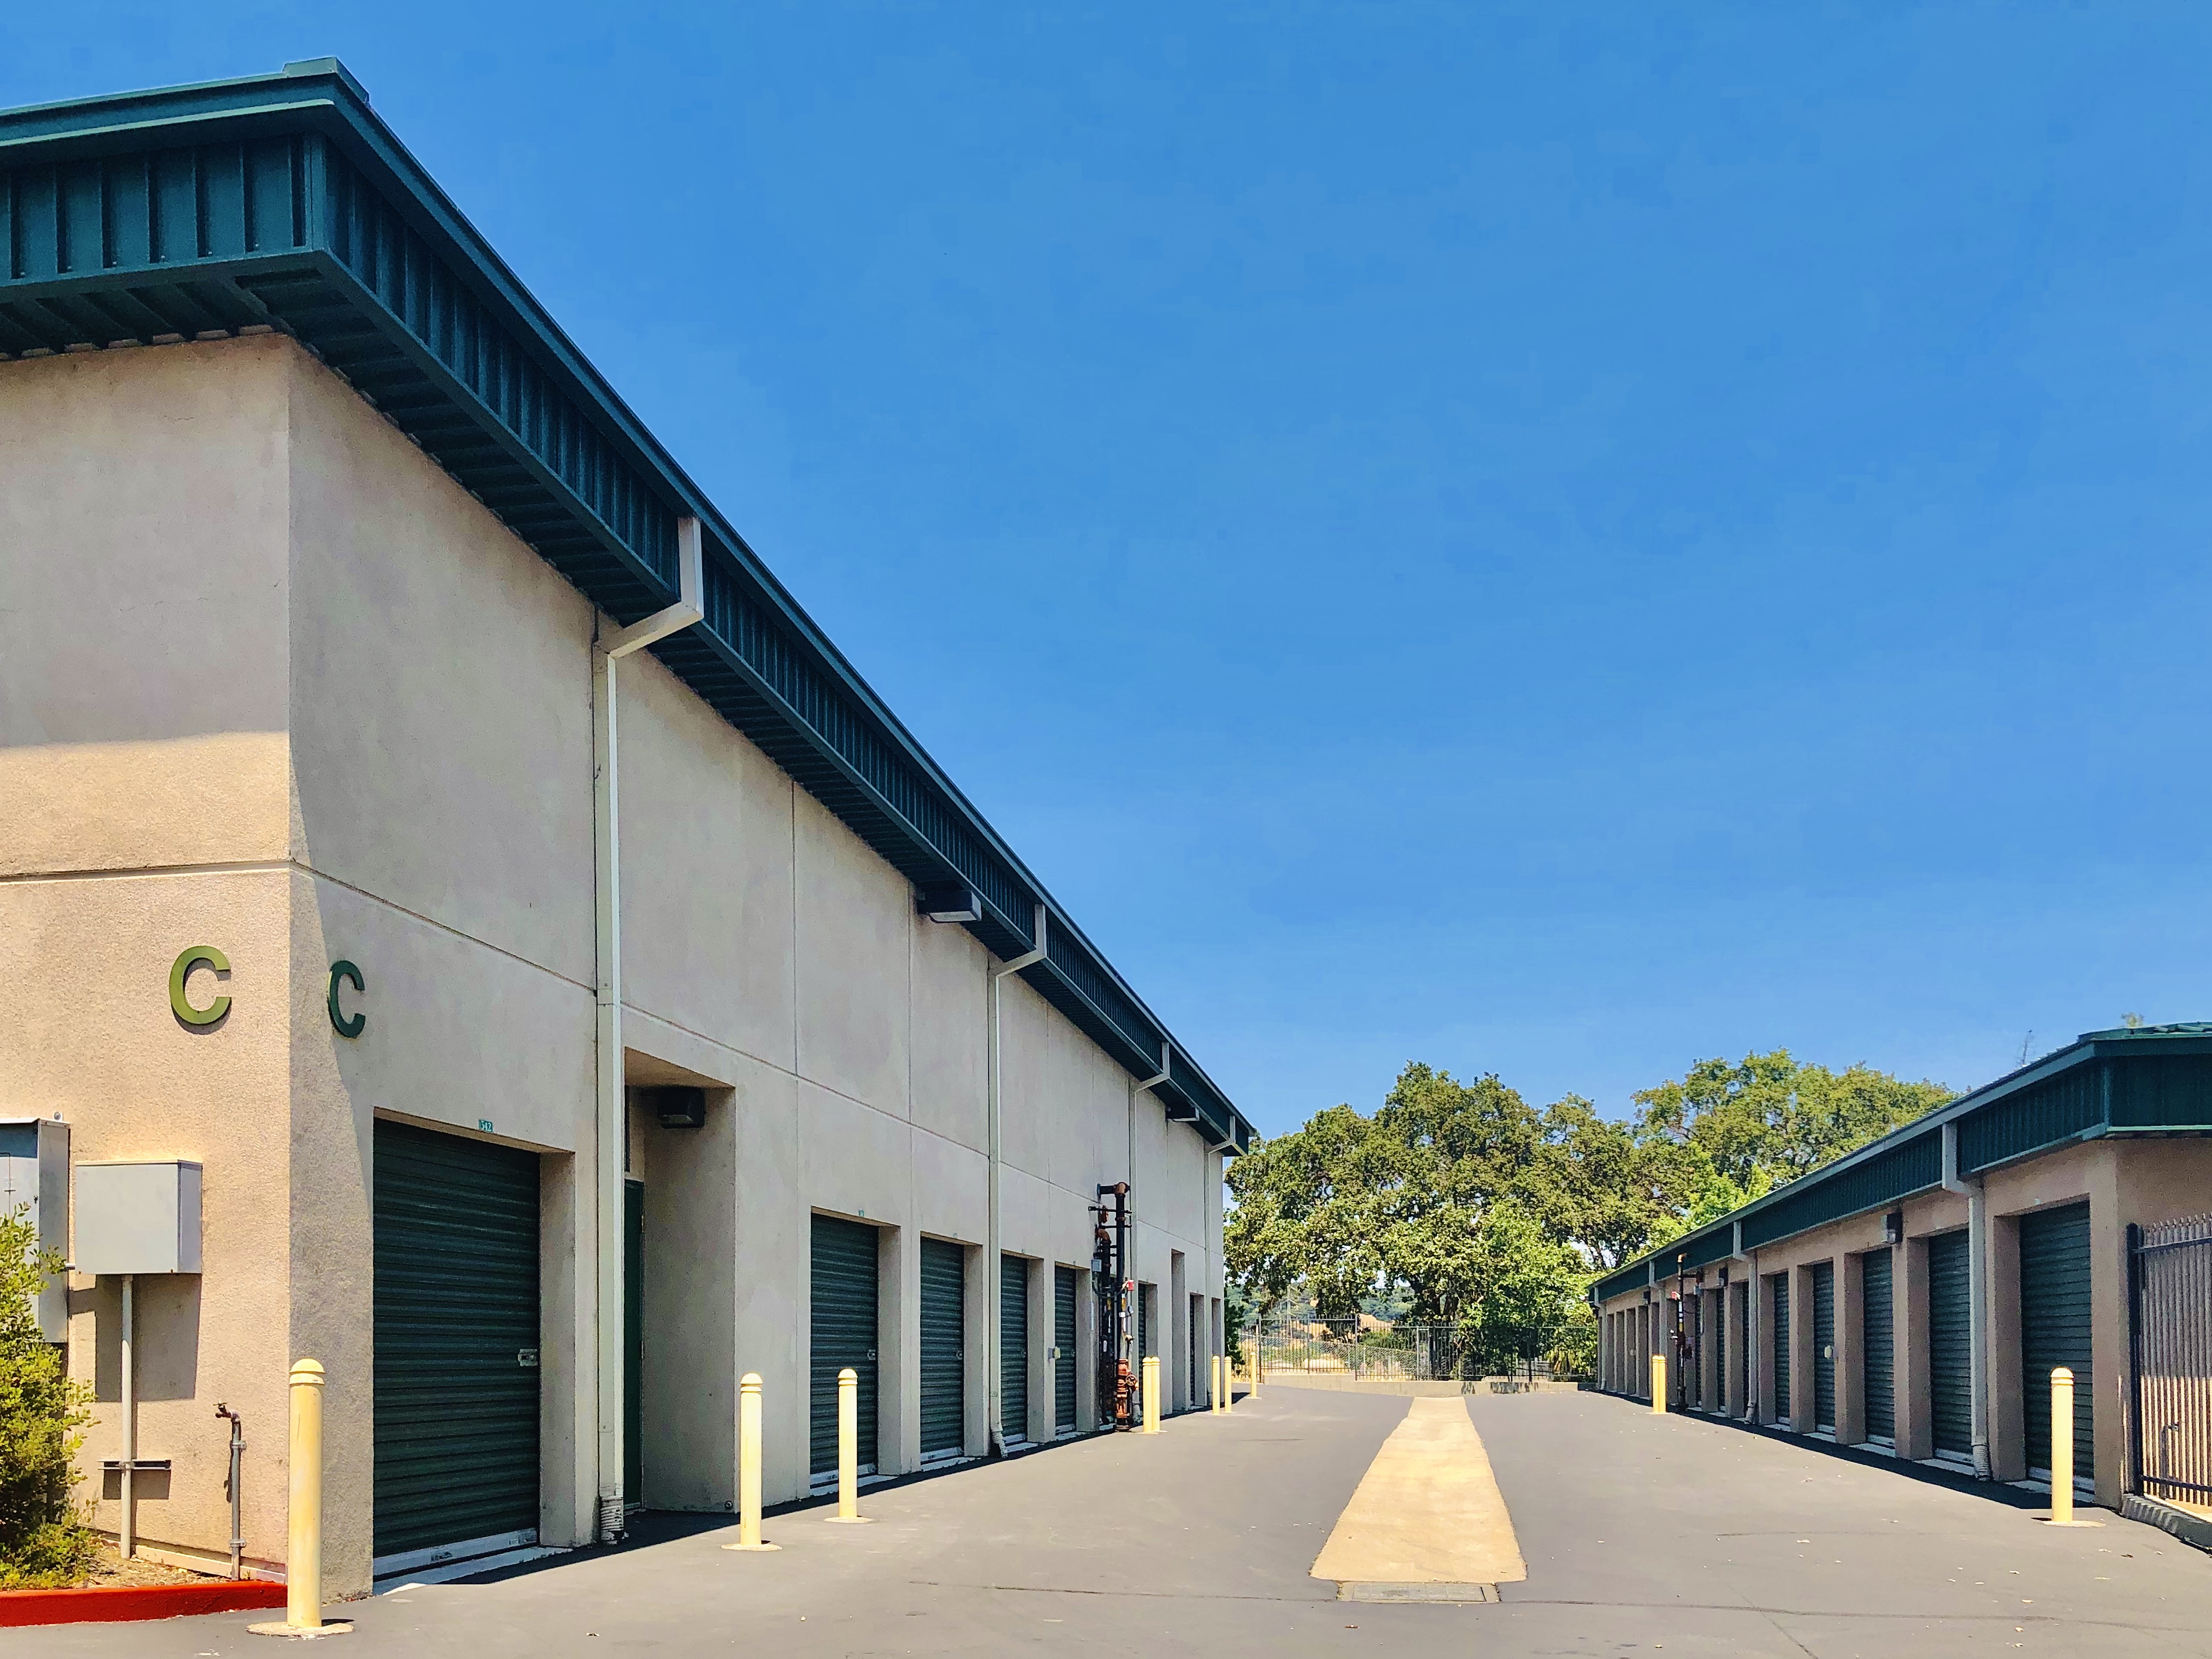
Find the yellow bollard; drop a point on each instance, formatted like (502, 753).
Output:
(749, 1466)
(303, 1554)
(1151, 1395)
(1215, 1402)
(2061, 1446)
(848, 1447)
(2061, 1450)
(1659, 1383)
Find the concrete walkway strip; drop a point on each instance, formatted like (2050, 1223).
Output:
(1427, 1523)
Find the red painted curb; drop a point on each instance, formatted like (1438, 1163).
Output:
(122, 1602)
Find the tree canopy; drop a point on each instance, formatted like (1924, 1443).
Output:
(1476, 1209)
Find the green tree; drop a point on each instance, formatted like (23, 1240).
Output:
(43, 1543)
(1749, 1126)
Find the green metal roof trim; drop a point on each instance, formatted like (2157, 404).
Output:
(282, 201)
(2144, 1080)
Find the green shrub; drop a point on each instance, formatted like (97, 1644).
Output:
(44, 1541)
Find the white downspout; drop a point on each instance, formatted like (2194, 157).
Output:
(1977, 1295)
(611, 1129)
(1137, 1086)
(994, 1098)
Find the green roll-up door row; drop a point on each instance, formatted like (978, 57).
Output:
(1782, 1347)
(1950, 1345)
(944, 1338)
(1066, 1285)
(1823, 1276)
(842, 1328)
(456, 1339)
(1013, 1348)
(2054, 1328)
(1878, 1342)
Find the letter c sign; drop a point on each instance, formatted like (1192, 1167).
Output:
(180, 970)
(346, 1025)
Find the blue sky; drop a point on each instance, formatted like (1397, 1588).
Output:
(1546, 539)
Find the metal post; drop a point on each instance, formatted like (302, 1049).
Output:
(237, 1470)
(1151, 1394)
(749, 1465)
(848, 1447)
(1659, 1384)
(303, 1553)
(126, 1545)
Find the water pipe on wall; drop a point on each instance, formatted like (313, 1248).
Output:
(612, 1127)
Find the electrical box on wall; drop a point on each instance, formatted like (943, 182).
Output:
(138, 1219)
(34, 1178)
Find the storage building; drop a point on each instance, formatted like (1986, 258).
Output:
(1914, 1298)
(553, 983)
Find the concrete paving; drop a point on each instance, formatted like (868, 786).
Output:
(1640, 1534)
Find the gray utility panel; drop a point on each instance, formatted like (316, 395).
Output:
(1950, 1345)
(1066, 1285)
(2054, 1328)
(944, 1342)
(1878, 1343)
(34, 1178)
(1782, 1347)
(841, 1333)
(456, 1342)
(1823, 1345)
(1013, 1349)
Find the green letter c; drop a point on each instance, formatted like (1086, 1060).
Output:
(178, 973)
(345, 972)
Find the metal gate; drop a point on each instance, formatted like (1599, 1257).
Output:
(2170, 1338)
(944, 1338)
(1823, 1346)
(1950, 1345)
(1066, 1286)
(2054, 1330)
(456, 1408)
(1013, 1349)
(1878, 1343)
(842, 1332)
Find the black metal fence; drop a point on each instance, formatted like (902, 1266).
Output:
(2170, 1332)
(1411, 1352)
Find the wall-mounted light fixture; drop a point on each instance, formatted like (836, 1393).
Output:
(676, 1108)
(949, 901)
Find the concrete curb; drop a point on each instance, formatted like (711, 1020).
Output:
(2193, 1529)
(122, 1602)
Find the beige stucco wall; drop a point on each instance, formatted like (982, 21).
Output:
(332, 708)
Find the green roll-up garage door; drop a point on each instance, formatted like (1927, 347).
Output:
(1950, 1345)
(1013, 1349)
(1878, 1343)
(2054, 1328)
(1197, 1346)
(456, 1341)
(1066, 1284)
(1823, 1345)
(842, 1332)
(1782, 1347)
(944, 1340)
